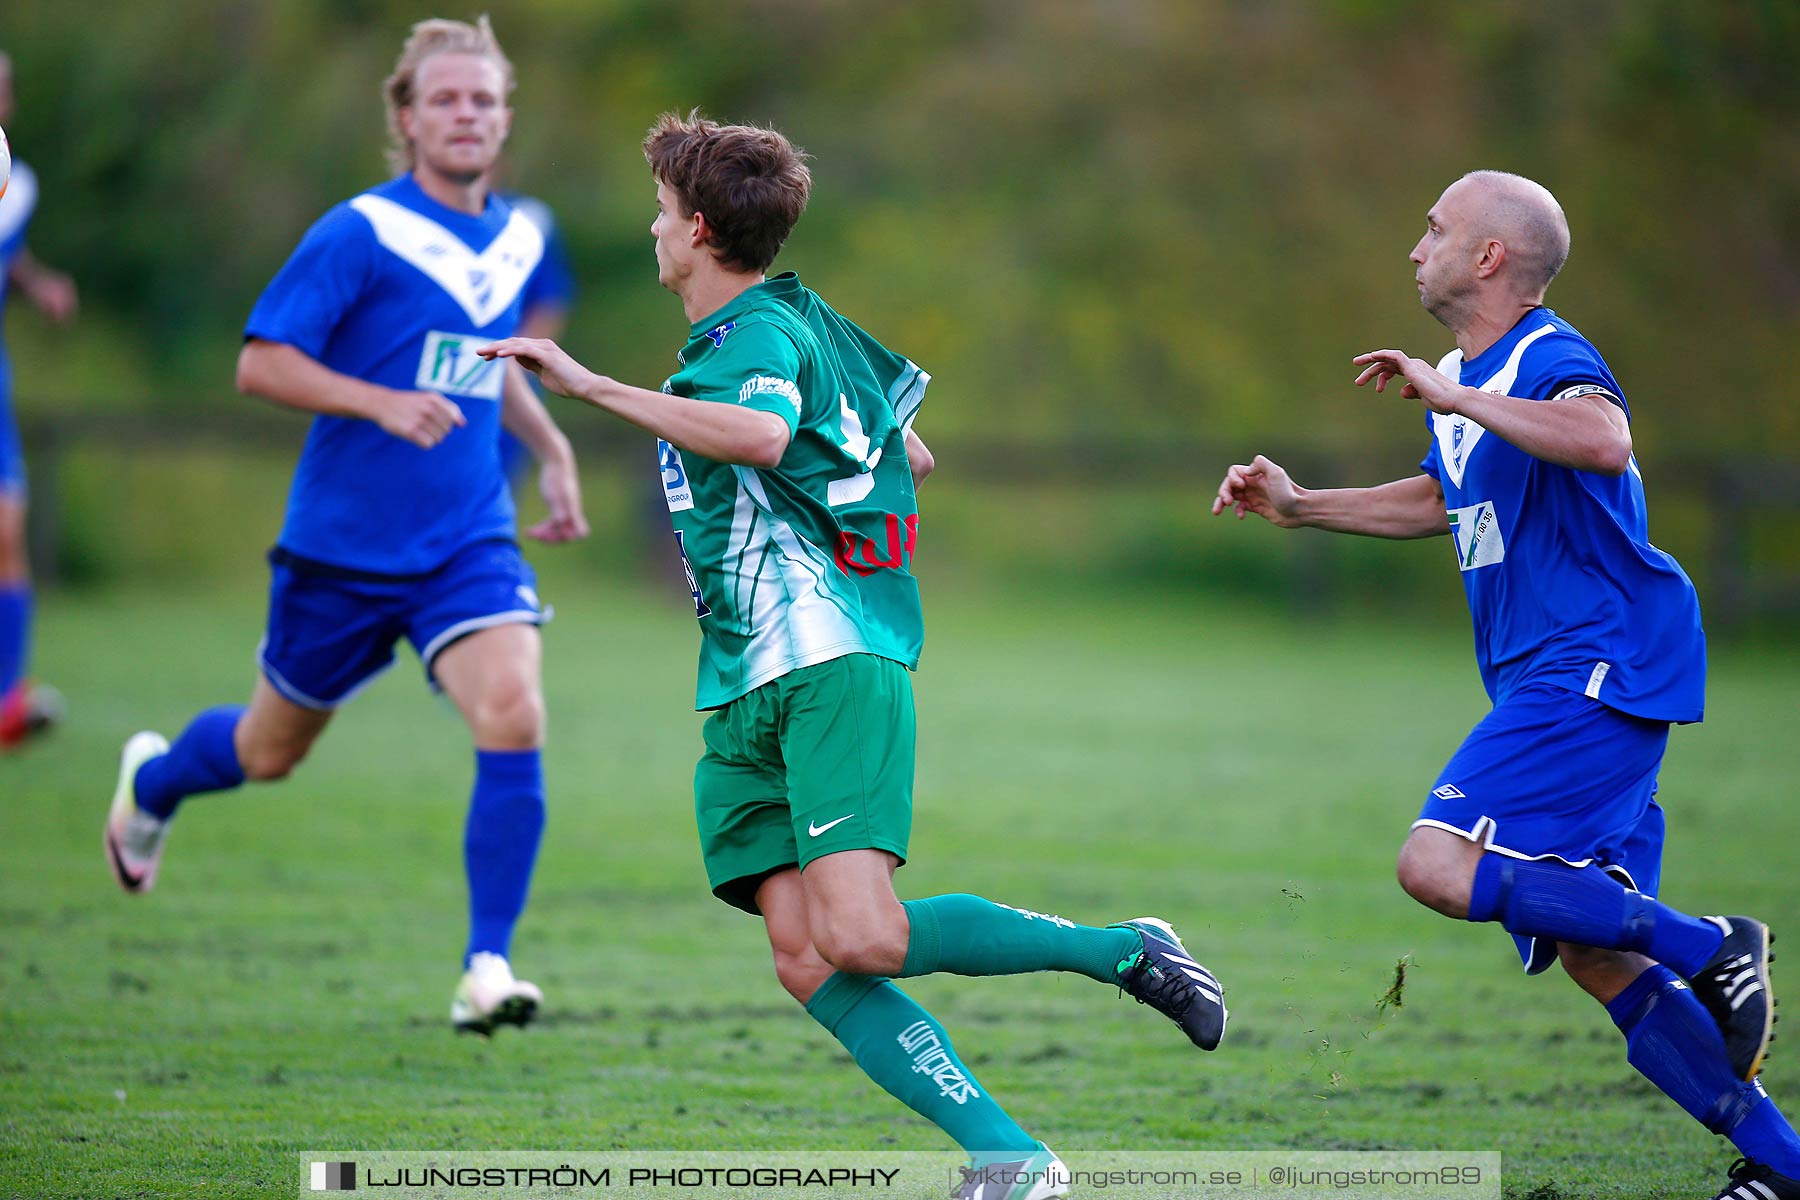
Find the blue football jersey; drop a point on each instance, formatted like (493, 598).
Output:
(553, 282)
(1564, 586)
(395, 289)
(16, 208)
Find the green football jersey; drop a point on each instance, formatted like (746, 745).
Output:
(809, 560)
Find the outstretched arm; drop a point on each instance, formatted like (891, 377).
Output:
(1405, 508)
(525, 418)
(293, 379)
(722, 432)
(52, 291)
(1588, 433)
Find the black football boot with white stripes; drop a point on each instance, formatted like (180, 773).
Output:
(1751, 1180)
(1735, 989)
(1166, 977)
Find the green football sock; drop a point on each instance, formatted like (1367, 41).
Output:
(966, 935)
(902, 1047)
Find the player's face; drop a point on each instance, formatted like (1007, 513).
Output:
(1442, 261)
(458, 119)
(674, 234)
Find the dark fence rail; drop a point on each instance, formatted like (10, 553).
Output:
(1748, 548)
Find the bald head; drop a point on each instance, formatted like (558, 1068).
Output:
(1523, 216)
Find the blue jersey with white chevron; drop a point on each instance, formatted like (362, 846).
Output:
(393, 288)
(1563, 584)
(16, 208)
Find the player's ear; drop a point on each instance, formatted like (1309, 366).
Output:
(1493, 254)
(700, 232)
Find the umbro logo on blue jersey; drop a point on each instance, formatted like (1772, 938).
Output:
(1448, 792)
(719, 335)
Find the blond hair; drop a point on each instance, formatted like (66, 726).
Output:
(435, 36)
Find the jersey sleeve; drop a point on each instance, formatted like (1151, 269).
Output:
(1563, 366)
(317, 285)
(1432, 465)
(16, 208)
(757, 366)
(553, 282)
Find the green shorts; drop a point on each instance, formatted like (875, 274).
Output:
(817, 761)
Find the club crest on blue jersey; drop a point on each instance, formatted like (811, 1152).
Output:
(481, 285)
(719, 335)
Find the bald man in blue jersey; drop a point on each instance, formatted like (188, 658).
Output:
(1590, 646)
(399, 524)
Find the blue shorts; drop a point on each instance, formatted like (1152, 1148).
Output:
(331, 631)
(1550, 773)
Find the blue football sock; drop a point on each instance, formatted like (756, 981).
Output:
(500, 844)
(203, 759)
(15, 633)
(902, 1047)
(1585, 906)
(1674, 1043)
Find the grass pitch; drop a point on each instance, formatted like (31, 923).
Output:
(287, 984)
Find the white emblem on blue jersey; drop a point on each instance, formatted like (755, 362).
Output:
(448, 363)
(484, 284)
(1476, 532)
(1457, 436)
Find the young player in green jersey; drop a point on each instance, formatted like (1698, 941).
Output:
(790, 464)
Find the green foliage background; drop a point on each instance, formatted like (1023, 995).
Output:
(1127, 223)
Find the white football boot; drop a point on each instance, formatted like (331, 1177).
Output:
(489, 995)
(133, 838)
(1039, 1176)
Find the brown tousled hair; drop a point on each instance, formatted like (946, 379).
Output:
(751, 183)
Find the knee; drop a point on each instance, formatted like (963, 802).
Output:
(265, 759)
(265, 764)
(863, 947)
(510, 716)
(14, 566)
(1437, 881)
(801, 971)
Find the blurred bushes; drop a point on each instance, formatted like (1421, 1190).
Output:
(1105, 220)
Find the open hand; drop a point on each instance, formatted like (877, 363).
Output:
(1422, 381)
(545, 359)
